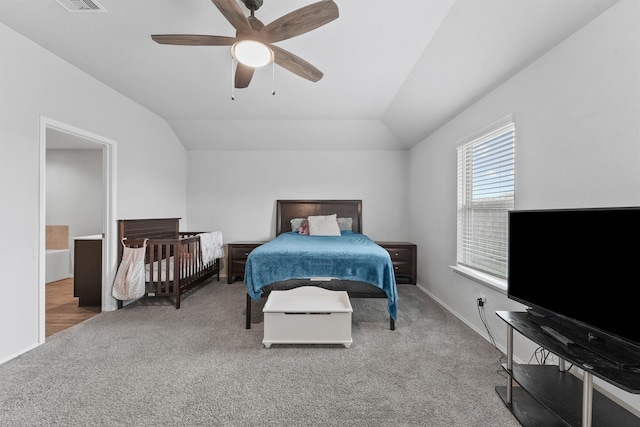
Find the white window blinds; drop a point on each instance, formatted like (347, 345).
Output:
(485, 195)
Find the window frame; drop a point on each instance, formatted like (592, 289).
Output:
(469, 263)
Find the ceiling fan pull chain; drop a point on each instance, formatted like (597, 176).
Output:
(273, 78)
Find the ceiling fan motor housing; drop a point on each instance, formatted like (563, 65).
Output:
(253, 4)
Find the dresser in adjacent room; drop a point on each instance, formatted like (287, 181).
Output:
(87, 270)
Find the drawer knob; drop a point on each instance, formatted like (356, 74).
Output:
(246, 254)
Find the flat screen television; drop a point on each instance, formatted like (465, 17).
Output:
(577, 271)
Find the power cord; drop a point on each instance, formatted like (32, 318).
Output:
(503, 358)
(541, 355)
(483, 318)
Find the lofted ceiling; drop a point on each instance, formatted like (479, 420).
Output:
(394, 71)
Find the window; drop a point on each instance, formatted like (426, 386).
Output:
(485, 196)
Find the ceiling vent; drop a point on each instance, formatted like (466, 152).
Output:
(81, 5)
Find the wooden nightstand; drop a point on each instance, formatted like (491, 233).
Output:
(404, 258)
(237, 254)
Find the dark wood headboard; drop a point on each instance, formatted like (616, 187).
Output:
(289, 209)
(152, 228)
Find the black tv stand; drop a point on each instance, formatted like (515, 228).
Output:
(548, 395)
(621, 354)
(557, 335)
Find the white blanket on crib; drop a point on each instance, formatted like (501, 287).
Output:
(162, 269)
(211, 246)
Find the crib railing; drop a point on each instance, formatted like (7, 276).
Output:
(174, 265)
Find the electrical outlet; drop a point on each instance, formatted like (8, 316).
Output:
(482, 300)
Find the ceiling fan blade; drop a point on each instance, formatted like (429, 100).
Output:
(295, 64)
(300, 21)
(193, 40)
(256, 24)
(231, 10)
(244, 74)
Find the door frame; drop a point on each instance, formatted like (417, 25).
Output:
(109, 247)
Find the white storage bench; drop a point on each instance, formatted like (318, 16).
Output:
(307, 315)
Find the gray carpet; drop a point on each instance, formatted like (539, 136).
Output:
(152, 365)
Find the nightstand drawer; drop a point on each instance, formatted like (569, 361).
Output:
(400, 254)
(241, 253)
(403, 268)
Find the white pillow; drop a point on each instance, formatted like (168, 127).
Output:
(323, 225)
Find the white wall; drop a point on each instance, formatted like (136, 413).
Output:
(74, 193)
(151, 167)
(577, 114)
(74, 190)
(235, 191)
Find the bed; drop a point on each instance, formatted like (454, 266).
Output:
(358, 266)
(175, 261)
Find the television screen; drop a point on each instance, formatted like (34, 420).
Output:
(580, 265)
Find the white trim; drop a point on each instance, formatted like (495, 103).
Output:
(488, 280)
(109, 242)
(496, 145)
(464, 320)
(42, 232)
(21, 352)
(109, 246)
(509, 118)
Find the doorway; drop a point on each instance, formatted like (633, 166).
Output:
(61, 307)
(59, 140)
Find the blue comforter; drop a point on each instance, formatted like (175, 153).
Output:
(351, 256)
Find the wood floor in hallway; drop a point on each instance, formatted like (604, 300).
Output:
(62, 309)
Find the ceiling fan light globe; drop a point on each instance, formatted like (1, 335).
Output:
(252, 53)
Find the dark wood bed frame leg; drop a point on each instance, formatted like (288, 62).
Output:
(248, 313)
(392, 324)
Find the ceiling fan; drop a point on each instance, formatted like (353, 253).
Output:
(252, 46)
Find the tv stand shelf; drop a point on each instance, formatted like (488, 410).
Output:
(547, 395)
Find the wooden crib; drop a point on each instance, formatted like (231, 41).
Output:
(173, 258)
